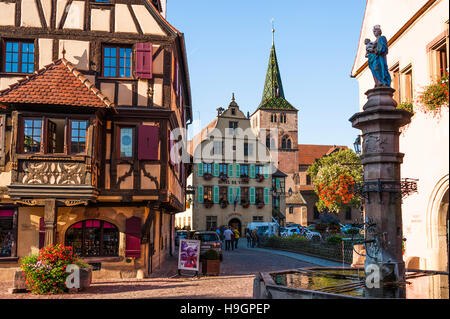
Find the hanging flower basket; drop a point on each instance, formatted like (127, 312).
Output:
(209, 204)
(223, 204)
(245, 204)
(260, 205)
(207, 176)
(436, 95)
(259, 178)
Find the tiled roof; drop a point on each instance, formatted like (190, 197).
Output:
(307, 154)
(295, 199)
(58, 83)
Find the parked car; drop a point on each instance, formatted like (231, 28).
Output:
(351, 228)
(310, 235)
(180, 234)
(209, 240)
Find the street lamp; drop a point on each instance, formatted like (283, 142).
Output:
(357, 145)
(290, 192)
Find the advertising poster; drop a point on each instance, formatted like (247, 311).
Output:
(189, 255)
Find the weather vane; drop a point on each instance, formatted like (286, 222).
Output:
(273, 30)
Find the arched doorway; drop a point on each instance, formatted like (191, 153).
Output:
(438, 226)
(235, 223)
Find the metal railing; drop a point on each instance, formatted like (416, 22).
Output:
(340, 251)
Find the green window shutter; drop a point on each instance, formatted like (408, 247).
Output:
(200, 194)
(266, 171)
(238, 194)
(230, 170)
(237, 172)
(216, 169)
(200, 169)
(252, 195)
(216, 194)
(278, 184)
(230, 195)
(266, 196)
(252, 171)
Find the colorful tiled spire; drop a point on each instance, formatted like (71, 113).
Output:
(273, 94)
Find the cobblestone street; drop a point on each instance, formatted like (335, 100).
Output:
(236, 280)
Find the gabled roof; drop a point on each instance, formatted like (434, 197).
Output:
(58, 83)
(273, 94)
(308, 154)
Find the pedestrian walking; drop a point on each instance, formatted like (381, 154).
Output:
(237, 235)
(227, 234)
(255, 239)
(248, 235)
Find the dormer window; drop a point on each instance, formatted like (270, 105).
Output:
(233, 111)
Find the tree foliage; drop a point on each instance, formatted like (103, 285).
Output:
(333, 177)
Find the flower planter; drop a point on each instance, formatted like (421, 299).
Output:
(207, 177)
(223, 178)
(245, 179)
(223, 205)
(209, 204)
(245, 205)
(260, 205)
(260, 178)
(19, 284)
(211, 267)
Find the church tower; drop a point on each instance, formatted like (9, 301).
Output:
(275, 112)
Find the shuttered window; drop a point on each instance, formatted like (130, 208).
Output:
(230, 170)
(252, 195)
(144, 60)
(200, 194)
(216, 194)
(148, 143)
(230, 195)
(252, 171)
(216, 169)
(266, 196)
(200, 169)
(133, 237)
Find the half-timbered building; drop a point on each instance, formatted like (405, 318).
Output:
(89, 93)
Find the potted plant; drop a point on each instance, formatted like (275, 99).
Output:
(223, 177)
(260, 205)
(211, 263)
(244, 179)
(45, 273)
(259, 178)
(207, 176)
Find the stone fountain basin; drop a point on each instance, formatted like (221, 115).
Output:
(346, 283)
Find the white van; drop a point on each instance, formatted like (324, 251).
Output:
(264, 228)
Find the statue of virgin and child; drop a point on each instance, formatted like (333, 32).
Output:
(376, 53)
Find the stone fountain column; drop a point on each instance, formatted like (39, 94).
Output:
(380, 122)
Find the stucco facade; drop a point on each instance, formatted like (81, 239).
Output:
(418, 40)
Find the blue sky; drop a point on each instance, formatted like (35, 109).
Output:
(228, 46)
